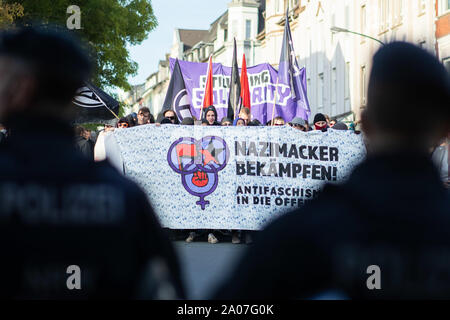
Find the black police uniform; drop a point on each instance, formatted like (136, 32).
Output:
(382, 234)
(60, 213)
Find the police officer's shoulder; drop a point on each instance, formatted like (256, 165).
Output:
(323, 212)
(106, 171)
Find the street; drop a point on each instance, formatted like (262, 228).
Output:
(205, 265)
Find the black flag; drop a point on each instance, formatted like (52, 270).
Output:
(94, 105)
(289, 73)
(177, 98)
(234, 96)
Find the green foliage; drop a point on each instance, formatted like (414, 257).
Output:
(108, 26)
(9, 12)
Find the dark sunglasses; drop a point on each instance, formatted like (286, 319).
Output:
(171, 118)
(123, 125)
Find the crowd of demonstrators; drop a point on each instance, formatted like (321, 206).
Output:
(384, 232)
(392, 212)
(67, 214)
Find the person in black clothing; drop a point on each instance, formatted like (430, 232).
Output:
(211, 116)
(82, 144)
(384, 232)
(60, 212)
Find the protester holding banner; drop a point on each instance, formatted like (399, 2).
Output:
(245, 115)
(226, 122)
(99, 148)
(384, 232)
(211, 116)
(320, 122)
(123, 123)
(239, 122)
(298, 123)
(278, 121)
(169, 114)
(144, 116)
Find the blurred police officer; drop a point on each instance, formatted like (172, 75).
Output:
(384, 232)
(69, 227)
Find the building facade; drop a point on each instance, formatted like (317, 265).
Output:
(242, 21)
(443, 32)
(337, 63)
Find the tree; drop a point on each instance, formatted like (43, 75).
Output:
(9, 12)
(108, 26)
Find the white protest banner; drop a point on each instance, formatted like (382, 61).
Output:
(207, 177)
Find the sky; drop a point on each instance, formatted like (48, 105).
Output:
(171, 14)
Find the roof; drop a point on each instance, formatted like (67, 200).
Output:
(213, 27)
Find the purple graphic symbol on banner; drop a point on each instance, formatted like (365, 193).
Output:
(198, 162)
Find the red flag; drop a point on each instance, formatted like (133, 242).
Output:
(245, 89)
(208, 97)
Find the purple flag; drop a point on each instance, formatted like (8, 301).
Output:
(262, 81)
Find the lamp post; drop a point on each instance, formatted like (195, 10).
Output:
(337, 29)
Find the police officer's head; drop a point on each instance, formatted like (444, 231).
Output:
(406, 82)
(40, 71)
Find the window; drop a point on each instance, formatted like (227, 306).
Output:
(279, 6)
(422, 4)
(347, 17)
(383, 15)
(333, 23)
(293, 4)
(248, 29)
(397, 16)
(333, 90)
(363, 85)
(225, 35)
(363, 21)
(234, 29)
(347, 87)
(320, 96)
(444, 7)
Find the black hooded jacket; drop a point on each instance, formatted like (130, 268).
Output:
(393, 213)
(211, 108)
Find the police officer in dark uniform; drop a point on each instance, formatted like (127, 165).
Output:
(385, 232)
(69, 227)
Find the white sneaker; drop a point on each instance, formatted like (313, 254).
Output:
(212, 239)
(191, 237)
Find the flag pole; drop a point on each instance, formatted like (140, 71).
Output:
(206, 84)
(274, 102)
(236, 106)
(115, 115)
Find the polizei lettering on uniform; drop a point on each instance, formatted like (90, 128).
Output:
(74, 204)
(272, 168)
